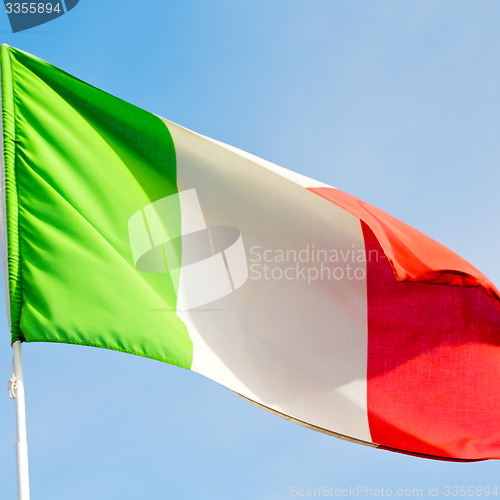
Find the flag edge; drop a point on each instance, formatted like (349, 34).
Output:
(5, 73)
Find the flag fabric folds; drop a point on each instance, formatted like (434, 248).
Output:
(125, 231)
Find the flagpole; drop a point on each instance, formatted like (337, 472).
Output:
(16, 385)
(23, 485)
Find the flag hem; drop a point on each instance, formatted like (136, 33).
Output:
(117, 349)
(3, 212)
(350, 439)
(10, 246)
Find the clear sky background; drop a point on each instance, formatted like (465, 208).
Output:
(394, 101)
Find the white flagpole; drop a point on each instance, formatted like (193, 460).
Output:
(23, 484)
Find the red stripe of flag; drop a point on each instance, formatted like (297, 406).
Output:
(433, 348)
(433, 364)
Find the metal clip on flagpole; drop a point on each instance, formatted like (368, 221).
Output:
(16, 391)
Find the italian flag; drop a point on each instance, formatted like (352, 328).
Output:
(125, 231)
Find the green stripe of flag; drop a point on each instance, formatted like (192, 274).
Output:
(79, 163)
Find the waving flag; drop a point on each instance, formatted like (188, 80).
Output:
(128, 232)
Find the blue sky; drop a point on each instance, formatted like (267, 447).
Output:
(396, 102)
